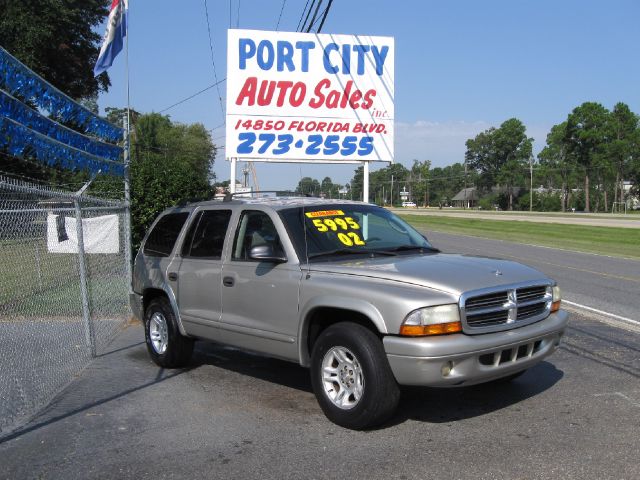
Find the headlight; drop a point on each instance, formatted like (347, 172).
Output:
(555, 298)
(432, 321)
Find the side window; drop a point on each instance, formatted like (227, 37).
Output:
(255, 228)
(164, 235)
(205, 238)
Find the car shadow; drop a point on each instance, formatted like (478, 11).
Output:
(444, 405)
(261, 367)
(432, 405)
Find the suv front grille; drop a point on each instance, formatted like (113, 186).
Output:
(505, 308)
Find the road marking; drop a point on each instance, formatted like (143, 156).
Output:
(601, 312)
(618, 394)
(615, 257)
(535, 260)
(610, 275)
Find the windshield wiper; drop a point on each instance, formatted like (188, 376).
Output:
(347, 251)
(406, 248)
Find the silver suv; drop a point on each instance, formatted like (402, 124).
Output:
(345, 288)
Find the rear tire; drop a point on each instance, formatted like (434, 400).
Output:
(351, 377)
(167, 347)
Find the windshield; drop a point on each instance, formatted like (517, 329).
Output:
(326, 232)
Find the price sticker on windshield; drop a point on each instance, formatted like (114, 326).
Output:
(335, 221)
(324, 213)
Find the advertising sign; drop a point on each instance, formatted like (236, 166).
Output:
(306, 97)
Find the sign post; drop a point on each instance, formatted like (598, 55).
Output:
(309, 98)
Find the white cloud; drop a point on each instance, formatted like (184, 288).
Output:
(440, 142)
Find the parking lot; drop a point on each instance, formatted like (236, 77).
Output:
(238, 415)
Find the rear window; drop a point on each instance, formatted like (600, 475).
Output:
(164, 235)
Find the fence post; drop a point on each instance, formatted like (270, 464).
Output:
(127, 205)
(38, 266)
(84, 291)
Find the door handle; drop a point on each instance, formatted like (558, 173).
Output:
(173, 276)
(228, 281)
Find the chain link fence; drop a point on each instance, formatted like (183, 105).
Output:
(63, 292)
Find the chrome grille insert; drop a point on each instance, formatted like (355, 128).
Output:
(506, 307)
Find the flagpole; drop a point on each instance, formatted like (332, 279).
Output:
(127, 162)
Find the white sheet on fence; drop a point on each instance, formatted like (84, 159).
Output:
(100, 234)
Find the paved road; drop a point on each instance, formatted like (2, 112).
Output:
(240, 416)
(605, 283)
(597, 220)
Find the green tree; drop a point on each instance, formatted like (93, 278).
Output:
(308, 186)
(623, 145)
(497, 152)
(481, 156)
(556, 162)
(329, 189)
(171, 163)
(510, 175)
(58, 40)
(118, 116)
(586, 135)
(356, 184)
(419, 175)
(384, 184)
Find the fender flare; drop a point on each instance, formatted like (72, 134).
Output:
(174, 305)
(331, 301)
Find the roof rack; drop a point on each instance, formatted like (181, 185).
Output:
(228, 196)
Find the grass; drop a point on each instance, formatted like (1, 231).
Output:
(28, 269)
(621, 242)
(37, 283)
(630, 215)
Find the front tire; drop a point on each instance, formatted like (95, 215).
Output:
(167, 347)
(351, 377)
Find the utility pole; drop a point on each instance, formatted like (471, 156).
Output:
(465, 183)
(391, 191)
(428, 199)
(531, 183)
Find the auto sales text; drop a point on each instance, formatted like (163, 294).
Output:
(282, 55)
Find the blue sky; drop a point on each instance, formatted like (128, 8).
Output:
(461, 66)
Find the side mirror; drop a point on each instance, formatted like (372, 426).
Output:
(267, 253)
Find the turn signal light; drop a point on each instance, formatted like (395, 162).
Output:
(437, 329)
(556, 297)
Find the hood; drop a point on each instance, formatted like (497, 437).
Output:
(449, 273)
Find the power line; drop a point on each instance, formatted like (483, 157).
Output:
(302, 15)
(217, 127)
(213, 62)
(284, 2)
(238, 16)
(315, 14)
(324, 17)
(313, 2)
(194, 95)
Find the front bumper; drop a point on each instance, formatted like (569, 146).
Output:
(460, 360)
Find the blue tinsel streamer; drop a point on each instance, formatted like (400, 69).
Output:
(21, 141)
(18, 111)
(19, 81)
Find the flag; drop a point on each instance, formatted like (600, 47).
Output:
(113, 36)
